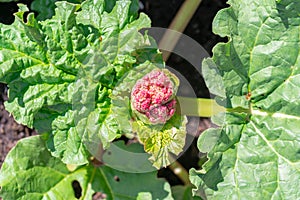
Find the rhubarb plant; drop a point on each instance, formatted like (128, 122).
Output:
(74, 78)
(254, 154)
(85, 76)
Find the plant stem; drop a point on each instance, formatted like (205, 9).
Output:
(180, 172)
(179, 23)
(188, 106)
(199, 107)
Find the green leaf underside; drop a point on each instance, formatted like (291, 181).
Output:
(181, 192)
(70, 76)
(127, 158)
(255, 154)
(28, 174)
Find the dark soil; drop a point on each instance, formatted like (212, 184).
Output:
(10, 130)
(161, 13)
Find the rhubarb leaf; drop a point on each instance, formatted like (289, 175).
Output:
(61, 72)
(254, 154)
(70, 77)
(30, 172)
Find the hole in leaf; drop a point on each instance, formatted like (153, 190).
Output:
(25, 16)
(116, 178)
(77, 189)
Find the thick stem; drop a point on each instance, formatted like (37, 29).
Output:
(180, 172)
(179, 23)
(199, 107)
(188, 106)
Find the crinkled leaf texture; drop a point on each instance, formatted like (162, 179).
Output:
(30, 172)
(162, 141)
(159, 140)
(65, 73)
(255, 154)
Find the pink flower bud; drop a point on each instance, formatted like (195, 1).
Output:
(154, 96)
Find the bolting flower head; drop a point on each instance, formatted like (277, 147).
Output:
(153, 96)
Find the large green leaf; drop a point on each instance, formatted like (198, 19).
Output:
(30, 172)
(127, 158)
(61, 71)
(71, 76)
(255, 152)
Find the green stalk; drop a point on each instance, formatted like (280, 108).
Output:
(180, 172)
(179, 23)
(188, 106)
(193, 107)
(199, 107)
